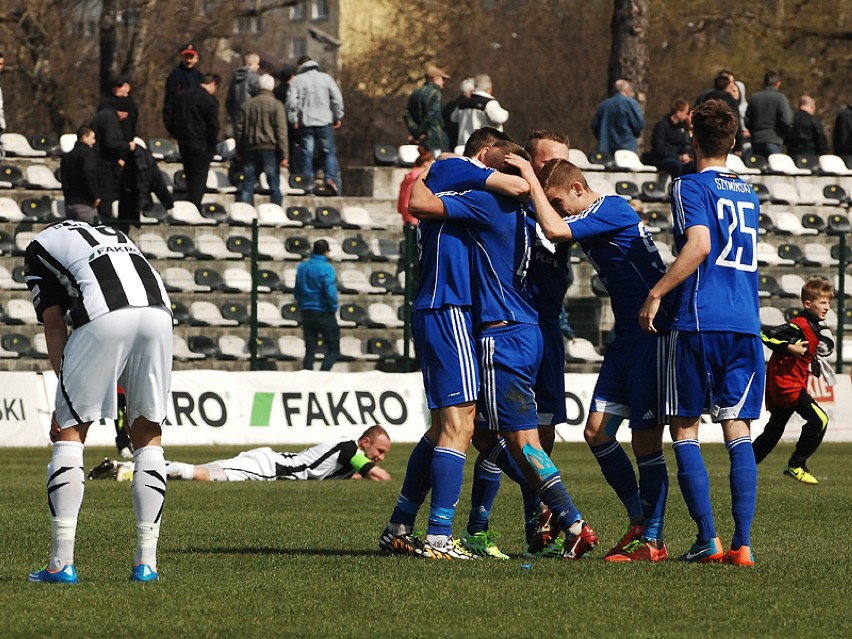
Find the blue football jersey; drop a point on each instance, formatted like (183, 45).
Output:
(457, 174)
(622, 251)
(549, 274)
(722, 294)
(499, 255)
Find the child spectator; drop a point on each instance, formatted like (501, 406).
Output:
(798, 350)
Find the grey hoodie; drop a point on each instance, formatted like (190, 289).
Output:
(313, 98)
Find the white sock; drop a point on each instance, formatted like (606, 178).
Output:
(65, 488)
(438, 541)
(149, 493)
(180, 470)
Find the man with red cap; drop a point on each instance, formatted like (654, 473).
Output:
(185, 75)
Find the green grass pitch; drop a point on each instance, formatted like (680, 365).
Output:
(299, 559)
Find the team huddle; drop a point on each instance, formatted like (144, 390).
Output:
(687, 342)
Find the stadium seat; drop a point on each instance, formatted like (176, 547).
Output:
(39, 176)
(755, 161)
(23, 236)
(736, 165)
(239, 247)
(579, 350)
(17, 343)
(181, 351)
(270, 214)
(326, 217)
(269, 315)
(356, 246)
(163, 149)
(659, 221)
(836, 192)
(791, 252)
(784, 193)
(214, 246)
(833, 165)
(357, 217)
(783, 164)
(267, 348)
(383, 279)
(381, 314)
(181, 314)
(235, 311)
(352, 281)
(20, 310)
(627, 189)
(10, 211)
(767, 286)
(207, 313)
(299, 184)
(292, 347)
(788, 223)
(600, 158)
(291, 313)
(217, 182)
(791, 285)
(271, 248)
(211, 278)
(385, 249)
(7, 244)
(203, 345)
(269, 281)
(6, 353)
(179, 181)
(601, 183)
(761, 191)
(407, 154)
(353, 315)
(154, 246)
(237, 278)
(46, 143)
(813, 221)
(354, 349)
(299, 216)
(12, 280)
(627, 160)
(12, 174)
(154, 214)
(177, 279)
(181, 243)
(654, 191)
(579, 159)
(242, 213)
(807, 161)
(185, 212)
(67, 142)
(838, 223)
(771, 317)
(39, 209)
(382, 348)
(226, 150)
(813, 193)
(15, 144)
(385, 155)
(297, 247)
(767, 255)
(214, 211)
(816, 254)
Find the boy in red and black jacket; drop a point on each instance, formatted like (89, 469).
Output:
(797, 348)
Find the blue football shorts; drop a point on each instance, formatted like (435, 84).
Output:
(629, 382)
(445, 345)
(550, 379)
(509, 357)
(714, 372)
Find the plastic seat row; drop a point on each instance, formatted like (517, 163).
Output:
(789, 223)
(789, 286)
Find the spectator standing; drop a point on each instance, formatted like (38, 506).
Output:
(807, 136)
(185, 75)
(479, 110)
(128, 193)
(315, 107)
(422, 116)
(79, 171)
(316, 295)
(244, 85)
(196, 130)
(842, 135)
(769, 116)
(261, 134)
(294, 150)
(111, 149)
(452, 128)
(670, 143)
(618, 122)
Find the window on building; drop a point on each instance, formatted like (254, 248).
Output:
(319, 9)
(298, 47)
(249, 25)
(297, 11)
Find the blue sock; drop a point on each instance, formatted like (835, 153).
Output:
(618, 472)
(743, 489)
(447, 476)
(654, 490)
(501, 457)
(553, 493)
(695, 486)
(416, 485)
(486, 483)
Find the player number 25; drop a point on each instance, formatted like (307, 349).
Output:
(741, 250)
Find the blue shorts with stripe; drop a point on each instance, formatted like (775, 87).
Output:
(445, 345)
(630, 381)
(550, 379)
(714, 372)
(509, 357)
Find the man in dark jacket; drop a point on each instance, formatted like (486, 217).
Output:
(841, 137)
(243, 86)
(79, 171)
(670, 143)
(423, 117)
(807, 136)
(110, 147)
(261, 132)
(184, 76)
(197, 130)
(769, 117)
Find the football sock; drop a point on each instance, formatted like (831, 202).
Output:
(618, 472)
(654, 490)
(447, 475)
(180, 470)
(149, 494)
(553, 493)
(486, 483)
(65, 488)
(743, 489)
(415, 486)
(695, 486)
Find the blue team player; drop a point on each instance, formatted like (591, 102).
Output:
(717, 362)
(509, 342)
(623, 253)
(444, 339)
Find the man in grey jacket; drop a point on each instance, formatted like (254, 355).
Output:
(769, 117)
(315, 108)
(260, 130)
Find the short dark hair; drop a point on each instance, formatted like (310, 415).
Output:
(722, 80)
(679, 104)
(83, 131)
(321, 247)
(303, 59)
(481, 138)
(714, 125)
(213, 78)
(770, 78)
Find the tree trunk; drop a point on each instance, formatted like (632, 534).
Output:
(107, 43)
(629, 55)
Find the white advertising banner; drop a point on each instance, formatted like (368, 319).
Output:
(219, 407)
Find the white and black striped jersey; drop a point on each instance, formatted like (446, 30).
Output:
(90, 271)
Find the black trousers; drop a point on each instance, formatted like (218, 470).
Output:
(316, 325)
(196, 156)
(813, 430)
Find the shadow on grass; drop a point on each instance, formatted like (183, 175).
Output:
(267, 550)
